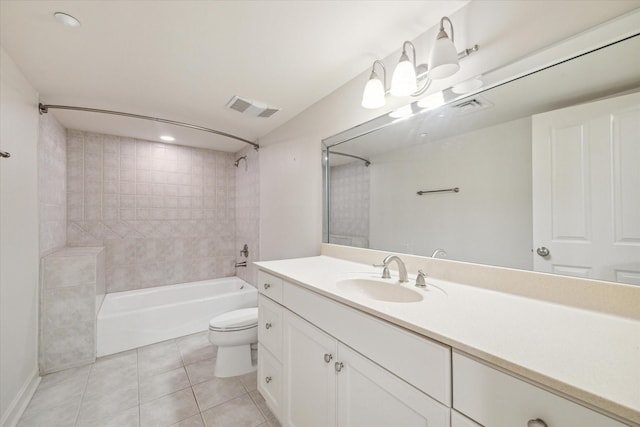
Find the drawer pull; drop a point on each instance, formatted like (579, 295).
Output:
(267, 325)
(339, 366)
(536, 423)
(266, 286)
(267, 380)
(328, 357)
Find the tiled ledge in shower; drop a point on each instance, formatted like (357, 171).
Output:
(72, 289)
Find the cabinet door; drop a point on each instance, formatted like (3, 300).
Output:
(309, 375)
(270, 380)
(370, 396)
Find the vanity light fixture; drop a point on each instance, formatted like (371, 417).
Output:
(67, 19)
(410, 78)
(404, 81)
(443, 60)
(374, 91)
(168, 138)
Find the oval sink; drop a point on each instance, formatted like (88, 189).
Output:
(379, 290)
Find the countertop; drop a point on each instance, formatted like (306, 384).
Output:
(587, 356)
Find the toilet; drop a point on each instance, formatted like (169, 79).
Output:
(233, 333)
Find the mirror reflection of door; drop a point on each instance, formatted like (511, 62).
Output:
(586, 190)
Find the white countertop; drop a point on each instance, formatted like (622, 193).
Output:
(586, 355)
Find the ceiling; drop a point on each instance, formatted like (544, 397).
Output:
(184, 60)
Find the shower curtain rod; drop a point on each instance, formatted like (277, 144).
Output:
(44, 108)
(366, 162)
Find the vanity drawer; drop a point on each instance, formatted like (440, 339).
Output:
(421, 362)
(496, 399)
(270, 325)
(270, 381)
(270, 285)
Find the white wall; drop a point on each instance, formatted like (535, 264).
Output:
(488, 222)
(290, 160)
(19, 254)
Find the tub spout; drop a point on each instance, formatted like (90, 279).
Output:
(241, 264)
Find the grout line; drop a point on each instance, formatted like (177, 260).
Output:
(84, 392)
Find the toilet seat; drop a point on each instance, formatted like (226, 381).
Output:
(236, 320)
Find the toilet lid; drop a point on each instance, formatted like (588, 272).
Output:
(235, 320)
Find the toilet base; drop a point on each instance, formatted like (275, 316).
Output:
(233, 361)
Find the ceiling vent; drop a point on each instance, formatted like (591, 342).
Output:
(251, 108)
(471, 105)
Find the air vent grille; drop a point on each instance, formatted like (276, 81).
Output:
(238, 104)
(251, 108)
(471, 105)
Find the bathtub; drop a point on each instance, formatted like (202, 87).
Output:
(136, 318)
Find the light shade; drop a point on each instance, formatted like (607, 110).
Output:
(403, 81)
(373, 95)
(443, 61)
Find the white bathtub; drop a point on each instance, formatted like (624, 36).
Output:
(133, 319)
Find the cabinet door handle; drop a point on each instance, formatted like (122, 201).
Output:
(266, 286)
(267, 380)
(267, 325)
(537, 422)
(339, 366)
(328, 357)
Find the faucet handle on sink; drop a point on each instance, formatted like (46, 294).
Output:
(385, 270)
(420, 279)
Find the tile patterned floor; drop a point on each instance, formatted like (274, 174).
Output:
(166, 384)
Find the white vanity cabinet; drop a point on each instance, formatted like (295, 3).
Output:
(496, 399)
(315, 379)
(328, 384)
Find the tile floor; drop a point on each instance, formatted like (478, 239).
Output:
(166, 384)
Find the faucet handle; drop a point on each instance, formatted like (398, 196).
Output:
(385, 270)
(420, 279)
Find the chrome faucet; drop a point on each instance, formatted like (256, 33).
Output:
(402, 270)
(439, 252)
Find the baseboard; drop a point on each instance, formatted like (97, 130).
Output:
(19, 404)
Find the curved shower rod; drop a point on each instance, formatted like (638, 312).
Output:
(366, 162)
(44, 108)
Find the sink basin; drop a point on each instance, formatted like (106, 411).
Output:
(379, 290)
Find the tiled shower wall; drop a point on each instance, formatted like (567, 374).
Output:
(52, 195)
(164, 213)
(248, 212)
(349, 205)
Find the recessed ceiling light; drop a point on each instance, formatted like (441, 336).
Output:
(67, 19)
(167, 138)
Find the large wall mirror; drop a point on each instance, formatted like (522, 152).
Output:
(539, 172)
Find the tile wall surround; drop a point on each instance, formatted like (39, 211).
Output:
(248, 212)
(73, 287)
(52, 194)
(349, 216)
(164, 213)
